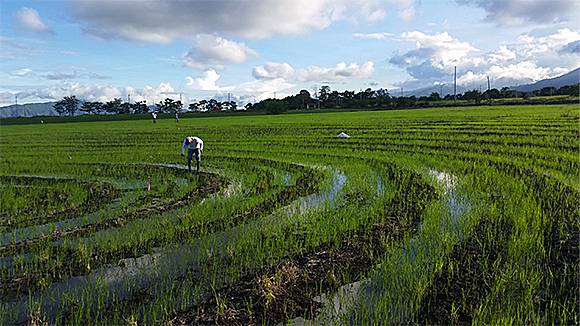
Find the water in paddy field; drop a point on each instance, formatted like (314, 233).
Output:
(111, 209)
(385, 293)
(160, 269)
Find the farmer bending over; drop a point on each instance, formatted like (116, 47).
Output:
(195, 145)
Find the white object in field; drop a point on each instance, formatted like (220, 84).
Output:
(342, 135)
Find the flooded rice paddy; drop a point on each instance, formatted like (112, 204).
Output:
(449, 216)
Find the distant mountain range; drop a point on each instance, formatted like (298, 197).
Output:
(28, 110)
(571, 78)
(442, 90)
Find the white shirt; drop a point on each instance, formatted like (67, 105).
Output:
(193, 142)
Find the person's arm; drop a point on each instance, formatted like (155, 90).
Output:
(183, 147)
(200, 145)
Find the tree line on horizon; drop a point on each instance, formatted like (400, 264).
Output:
(324, 98)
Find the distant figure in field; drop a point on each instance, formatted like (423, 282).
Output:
(195, 145)
(176, 117)
(154, 114)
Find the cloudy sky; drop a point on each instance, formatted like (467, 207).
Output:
(150, 50)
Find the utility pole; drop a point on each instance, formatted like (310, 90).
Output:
(129, 98)
(488, 90)
(455, 84)
(16, 99)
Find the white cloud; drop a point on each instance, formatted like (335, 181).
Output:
(206, 81)
(519, 12)
(272, 70)
(151, 94)
(502, 54)
(521, 73)
(443, 50)
(340, 71)
(376, 36)
(537, 45)
(533, 58)
(163, 21)
(92, 92)
(22, 72)
(89, 92)
(214, 51)
(407, 14)
(263, 89)
(29, 19)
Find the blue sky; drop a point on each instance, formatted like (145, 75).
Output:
(192, 50)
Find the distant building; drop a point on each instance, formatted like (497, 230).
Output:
(311, 106)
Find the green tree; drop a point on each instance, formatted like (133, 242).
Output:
(505, 92)
(570, 90)
(213, 105)
(301, 100)
(194, 107)
(124, 108)
(68, 105)
(491, 94)
(406, 102)
(203, 105)
(275, 106)
(434, 96)
(140, 107)
(169, 106)
(113, 106)
(230, 106)
(324, 92)
(548, 91)
(473, 95)
(90, 107)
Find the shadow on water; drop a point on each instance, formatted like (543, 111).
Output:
(162, 269)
